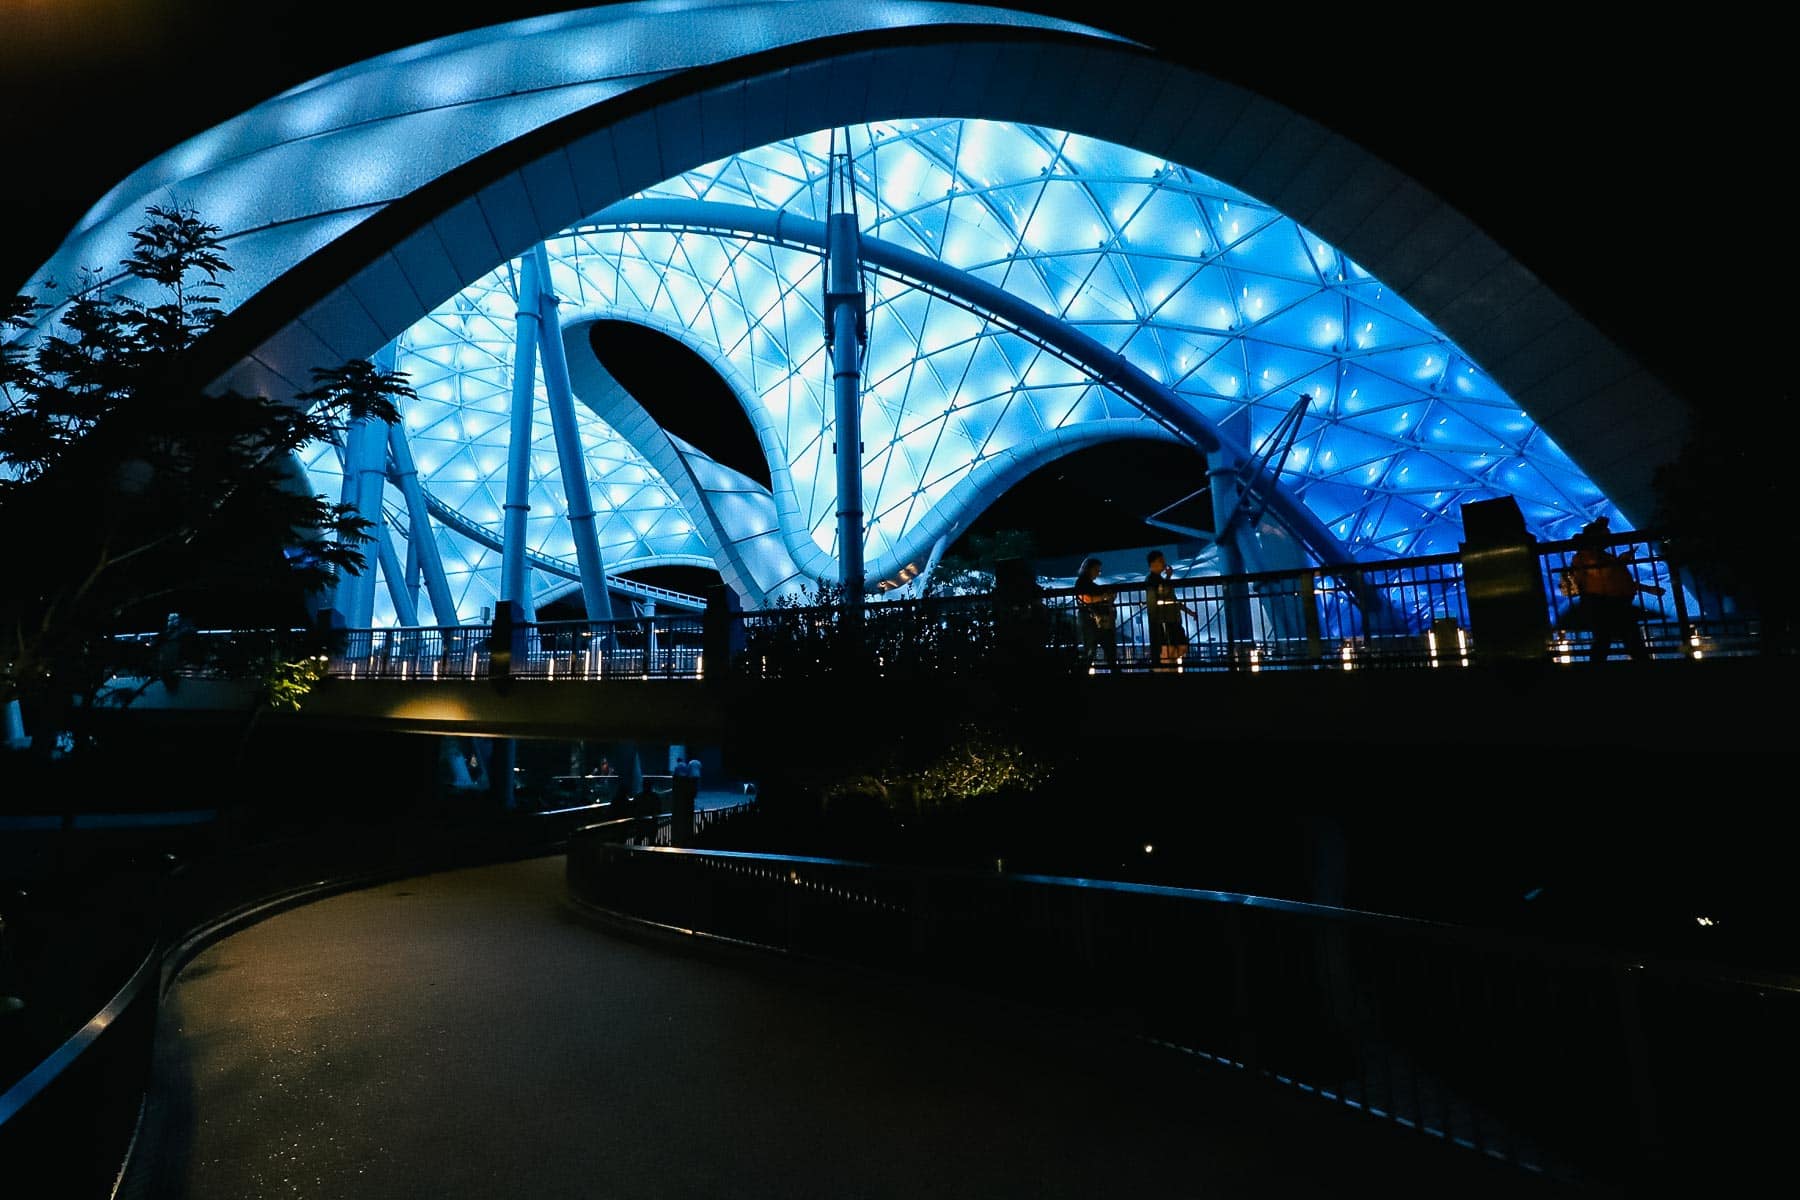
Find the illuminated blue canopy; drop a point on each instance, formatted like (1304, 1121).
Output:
(1032, 289)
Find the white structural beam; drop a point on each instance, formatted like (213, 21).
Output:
(1106, 366)
(422, 548)
(405, 611)
(569, 454)
(515, 583)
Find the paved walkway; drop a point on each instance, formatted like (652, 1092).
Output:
(470, 1034)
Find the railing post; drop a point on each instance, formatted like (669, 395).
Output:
(1309, 612)
(1681, 612)
(503, 640)
(722, 633)
(1509, 615)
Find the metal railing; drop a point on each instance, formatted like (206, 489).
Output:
(661, 647)
(69, 1125)
(1577, 1062)
(1411, 613)
(72, 1119)
(655, 828)
(1406, 613)
(1680, 614)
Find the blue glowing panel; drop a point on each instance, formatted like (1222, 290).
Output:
(1235, 308)
(459, 360)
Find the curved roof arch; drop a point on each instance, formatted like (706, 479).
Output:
(915, 494)
(740, 518)
(514, 133)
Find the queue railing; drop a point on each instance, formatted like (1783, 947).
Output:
(1578, 1062)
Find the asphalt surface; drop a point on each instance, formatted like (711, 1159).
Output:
(474, 1034)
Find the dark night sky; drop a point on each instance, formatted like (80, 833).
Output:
(1627, 165)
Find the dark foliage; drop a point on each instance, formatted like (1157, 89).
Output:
(1723, 505)
(811, 634)
(131, 488)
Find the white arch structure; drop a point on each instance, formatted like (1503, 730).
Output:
(1107, 244)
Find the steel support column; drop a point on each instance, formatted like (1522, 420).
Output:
(569, 455)
(1107, 367)
(1288, 606)
(648, 607)
(405, 611)
(1226, 490)
(365, 471)
(846, 336)
(421, 542)
(515, 586)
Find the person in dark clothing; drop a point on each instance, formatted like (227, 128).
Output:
(683, 788)
(1168, 636)
(1094, 604)
(1606, 592)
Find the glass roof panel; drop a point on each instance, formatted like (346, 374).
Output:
(1231, 305)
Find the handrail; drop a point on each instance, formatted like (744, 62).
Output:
(39, 1098)
(33, 1083)
(1310, 618)
(1386, 924)
(1582, 1062)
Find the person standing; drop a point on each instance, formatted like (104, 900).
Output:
(681, 803)
(1094, 604)
(1606, 592)
(1168, 635)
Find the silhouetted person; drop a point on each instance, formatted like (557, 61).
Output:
(682, 790)
(642, 807)
(1168, 636)
(1606, 591)
(1094, 605)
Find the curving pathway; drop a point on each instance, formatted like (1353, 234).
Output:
(469, 1034)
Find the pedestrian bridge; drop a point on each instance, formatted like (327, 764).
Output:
(1449, 650)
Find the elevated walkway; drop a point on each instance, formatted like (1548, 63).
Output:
(1707, 705)
(472, 1033)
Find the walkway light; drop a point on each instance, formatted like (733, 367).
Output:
(1462, 640)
